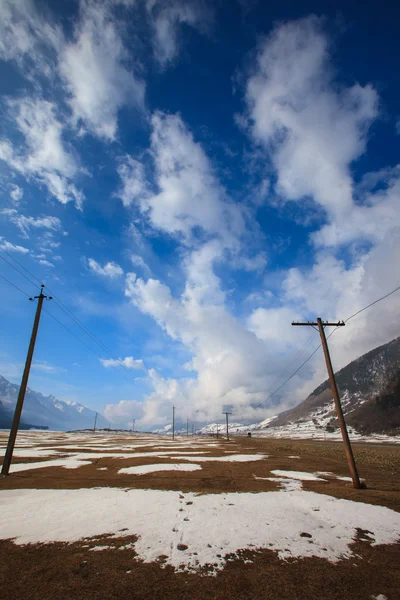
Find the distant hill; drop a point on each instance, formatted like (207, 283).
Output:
(44, 411)
(369, 388)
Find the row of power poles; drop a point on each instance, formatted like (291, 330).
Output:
(187, 424)
(319, 325)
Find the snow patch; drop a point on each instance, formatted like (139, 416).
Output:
(194, 536)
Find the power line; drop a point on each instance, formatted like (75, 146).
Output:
(82, 342)
(14, 267)
(71, 315)
(71, 332)
(372, 303)
(332, 332)
(16, 287)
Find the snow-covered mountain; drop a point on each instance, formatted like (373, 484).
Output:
(369, 388)
(40, 410)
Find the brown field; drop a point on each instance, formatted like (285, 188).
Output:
(71, 571)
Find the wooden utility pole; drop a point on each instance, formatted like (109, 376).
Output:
(217, 429)
(95, 421)
(227, 424)
(24, 383)
(192, 428)
(187, 427)
(342, 423)
(133, 425)
(173, 422)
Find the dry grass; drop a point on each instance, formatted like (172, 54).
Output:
(71, 571)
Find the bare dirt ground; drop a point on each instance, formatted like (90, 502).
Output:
(72, 571)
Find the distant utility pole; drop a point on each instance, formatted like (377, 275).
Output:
(346, 440)
(95, 421)
(187, 427)
(217, 429)
(133, 425)
(21, 396)
(173, 422)
(227, 424)
(192, 428)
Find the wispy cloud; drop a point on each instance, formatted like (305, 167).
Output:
(110, 269)
(129, 362)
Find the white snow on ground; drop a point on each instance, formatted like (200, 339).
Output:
(66, 463)
(293, 456)
(230, 458)
(301, 475)
(212, 525)
(141, 469)
(290, 485)
(35, 452)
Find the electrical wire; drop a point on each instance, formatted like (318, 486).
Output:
(372, 303)
(71, 315)
(15, 286)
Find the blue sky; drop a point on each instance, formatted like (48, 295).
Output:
(188, 178)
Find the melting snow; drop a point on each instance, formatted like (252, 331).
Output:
(302, 475)
(230, 458)
(210, 525)
(66, 463)
(141, 469)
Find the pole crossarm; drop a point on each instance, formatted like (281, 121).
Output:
(324, 323)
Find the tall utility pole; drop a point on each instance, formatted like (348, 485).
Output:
(95, 421)
(173, 422)
(227, 424)
(342, 423)
(21, 396)
(217, 429)
(133, 425)
(187, 427)
(192, 428)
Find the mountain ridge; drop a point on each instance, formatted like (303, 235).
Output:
(44, 411)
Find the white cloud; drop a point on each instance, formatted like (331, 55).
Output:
(129, 362)
(16, 194)
(134, 186)
(124, 412)
(45, 263)
(110, 269)
(45, 155)
(166, 19)
(28, 36)
(139, 263)
(311, 127)
(232, 365)
(44, 366)
(190, 196)
(25, 224)
(97, 71)
(6, 245)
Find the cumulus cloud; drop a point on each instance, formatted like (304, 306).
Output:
(232, 365)
(134, 186)
(98, 72)
(190, 196)
(44, 155)
(311, 127)
(111, 270)
(129, 362)
(124, 412)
